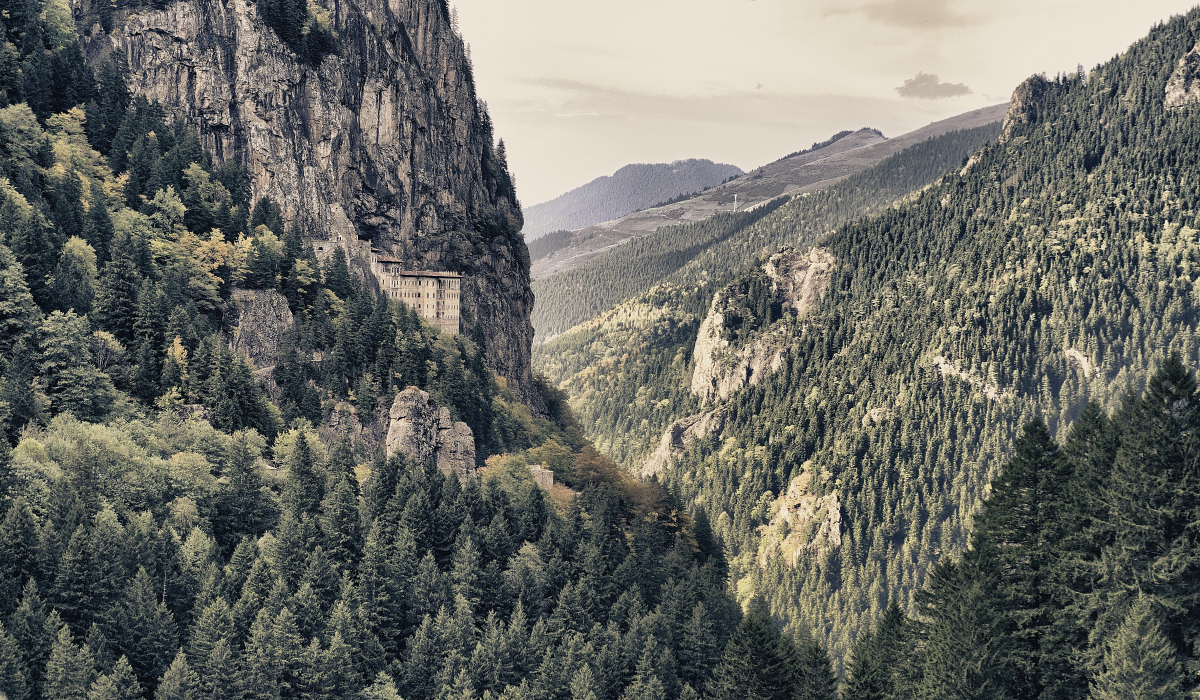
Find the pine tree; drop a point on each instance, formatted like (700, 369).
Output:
(215, 624)
(72, 382)
(106, 111)
(219, 679)
(421, 661)
(378, 588)
(303, 491)
(815, 679)
(1152, 551)
(334, 674)
(697, 650)
(341, 522)
(384, 688)
(1139, 661)
(654, 676)
(18, 553)
(243, 508)
(466, 573)
(258, 670)
(148, 341)
(74, 281)
(25, 405)
(753, 666)
(961, 633)
(35, 633)
(32, 251)
(337, 274)
(116, 295)
(145, 630)
(288, 651)
(1015, 526)
(98, 226)
(583, 684)
(72, 584)
(69, 670)
(14, 680)
(179, 682)
(121, 684)
(18, 312)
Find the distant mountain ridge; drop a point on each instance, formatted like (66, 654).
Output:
(816, 168)
(632, 188)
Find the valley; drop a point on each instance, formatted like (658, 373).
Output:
(296, 404)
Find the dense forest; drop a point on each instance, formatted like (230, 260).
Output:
(177, 525)
(1080, 580)
(1050, 270)
(632, 188)
(713, 249)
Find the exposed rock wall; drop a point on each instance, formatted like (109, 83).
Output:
(948, 369)
(1024, 104)
(721, 369)
(803, 521)
(421, 429)
(261, 322)
(383, 144)
(679, 436)
(1183, 88)
(542, 476)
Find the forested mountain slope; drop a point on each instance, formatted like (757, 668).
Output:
(713, 248)
(633, 187)
(1056, 267)
(815, 168)
(188, 514)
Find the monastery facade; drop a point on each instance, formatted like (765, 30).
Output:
(433, 295)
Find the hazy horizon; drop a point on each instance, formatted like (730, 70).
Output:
(578, 91)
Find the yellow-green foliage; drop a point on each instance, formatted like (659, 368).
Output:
(134, 465)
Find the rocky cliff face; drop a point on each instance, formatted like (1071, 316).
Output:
(679, 436)
(261, 321)
(383, 144)
(1023, 106)
(799, 281)
(421, 429)
(1183, 88)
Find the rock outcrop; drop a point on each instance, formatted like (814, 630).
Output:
(946, 368)
(1183, 88)
(421, 430)
(383, 144)
(261, 322)
(1024, 104)
(802, 521)
(679, 436)
(797, 279)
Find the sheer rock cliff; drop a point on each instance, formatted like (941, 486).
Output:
(382, 144)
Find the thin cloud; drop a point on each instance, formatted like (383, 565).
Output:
(910, 14)
(926, 86)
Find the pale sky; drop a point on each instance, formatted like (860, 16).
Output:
(578, 89)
